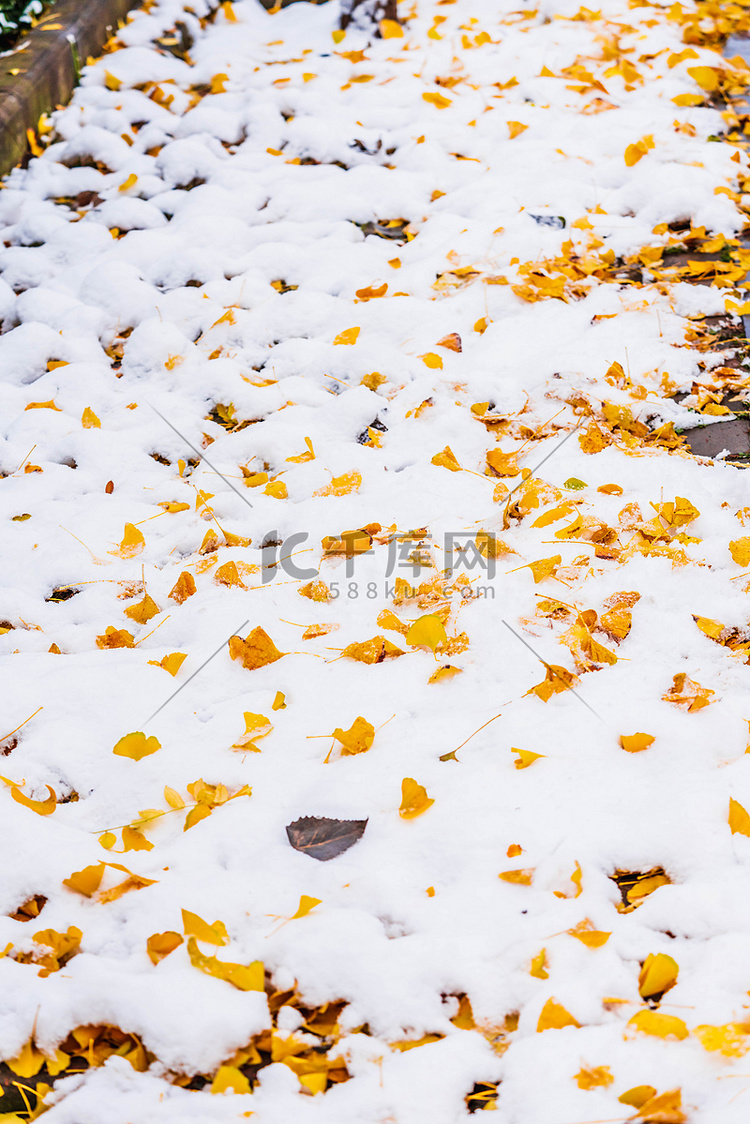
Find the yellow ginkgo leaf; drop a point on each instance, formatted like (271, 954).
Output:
(706, 77)
(372, 651)
(447, 671)
(171, 663)
(585, 932)
(636, 743)
(229, 575)
(41, 807)
(437, 100)
(135, 840)
(637, 1096)
(143, 611)
(306, 905)
(132, 882)
(739, 819)
(658, 974)
(279, 701)
(173, 798)
(543, 568)
(86, 881)
(256, 726)
(256, 650)
(426, 632)
(301, 458)
(196, 814)
(161, 944)
(89, 420)
(662, 1026)
(136, 746)
(525, 758)
(183, 588)
(43, 406)
(740, 551)
(538, 966)
(391, 29)
(230, 1079)
(664, 1108)
(430, 359)
(132, 543)
(502, 464)
(732, 1040)
(553, 1016)
(594, 1077)
(277, 489)
(515, 128)
(414, 799)
(342, 485)
(446, 459)
(357, 739)
(349, 336)
(195, 926)
(243, 977)
(521, 877)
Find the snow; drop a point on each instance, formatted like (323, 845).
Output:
(157, 300)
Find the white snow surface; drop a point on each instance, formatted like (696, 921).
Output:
(202, 204)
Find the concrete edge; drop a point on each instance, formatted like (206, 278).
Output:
(43, 73)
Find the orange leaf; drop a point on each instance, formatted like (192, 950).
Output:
(306, 905)
(195, 926)
(553, 1016)
(349, 336)
(161, 944)
(257, 650)
(414, 799)
(437, 100)
(357, 739)
(132, 543)
(41, 807)
(636, 743)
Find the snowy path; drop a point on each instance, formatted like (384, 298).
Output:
(437, 290)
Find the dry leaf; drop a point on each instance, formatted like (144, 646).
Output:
(585, 932)
(525, 758)
(452, 341)
(324, 838)
(414, 799)
(257, 650)
(556, 680)
(132, 882)
(115, 638)
(740, 551)
(446, 459)
(686, 692)
(350, 336)
(342, 485)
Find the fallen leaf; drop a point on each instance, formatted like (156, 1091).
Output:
(521, 877)
(658, 975)
(132, 543)
(324, 838)
(229, 1078)
(426, 632)
(430, 359)
(136, 746)
(161, 944)
(553, 1016)
(41, 807)
(306, 905)
(195, 926)
(86, 881)
(665, 1108)
(357, 739)
(686, 692)
(373, 651)
(740, 551)
(279, 701)
(437, 100)
(706, 77)
(446, 459)
(636, 743)
(502, 464)
(662, 1026)
(538, 966)
(452, 341)
(115, 638)
(447, 671)
(243, 977)
(132, 882)
(543, 568)
(89, 420)
(229, 575)
(171, 663)
(638, 1095)
(525, 758)
(256, 726)
(414, 799)
(342, 485)
(143, 611)
(585, 932)
(556, 680)
(183, 588)
(391, 29)
(515, 128)
(732, 1040)
(739, 819)
(135, 840)
(257, 650)
(349, 336)
(594, 1077)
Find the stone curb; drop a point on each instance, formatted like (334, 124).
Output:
(43, 73)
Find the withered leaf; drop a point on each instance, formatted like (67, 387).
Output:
(324, 838)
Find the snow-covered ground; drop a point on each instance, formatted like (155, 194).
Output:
(414, 288)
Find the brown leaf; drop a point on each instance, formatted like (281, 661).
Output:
(324, 838)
